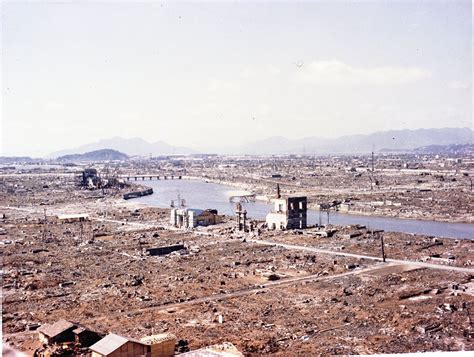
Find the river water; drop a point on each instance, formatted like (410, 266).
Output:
(202, 195)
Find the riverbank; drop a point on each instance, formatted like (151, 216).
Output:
(401, 213)
(201, 195)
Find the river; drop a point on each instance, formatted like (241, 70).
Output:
(199, 194)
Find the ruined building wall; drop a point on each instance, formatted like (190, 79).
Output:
(297, 213)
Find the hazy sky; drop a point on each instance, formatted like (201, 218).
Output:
(209, 74)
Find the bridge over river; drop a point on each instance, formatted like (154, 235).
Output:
(143, 177)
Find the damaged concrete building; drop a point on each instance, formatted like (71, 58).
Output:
(90, 178)
(288, 213)
(191, 217)
(71, 218)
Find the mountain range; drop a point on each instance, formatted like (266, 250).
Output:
(466, 149)
(393, 140)
(8, 160)
(132, 147)
(389, 141)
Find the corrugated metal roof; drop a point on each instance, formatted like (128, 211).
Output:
(225, 349)
(109, 344)
(162, 337)
(56, 328)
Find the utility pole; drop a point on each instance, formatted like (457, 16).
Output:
(245, 220)
(238, 212)
(241, 217)
(383, 249)
(44, 225)
(372, 174)
(239, 225)
(92, 232)
(372, 160)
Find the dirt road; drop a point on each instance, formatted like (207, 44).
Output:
(353, 255)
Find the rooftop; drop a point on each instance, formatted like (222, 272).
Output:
(225, 349)
(52, 330)
(162, 337)
(110, 343)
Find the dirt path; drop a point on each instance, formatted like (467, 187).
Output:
(248, 291)
(369, 257)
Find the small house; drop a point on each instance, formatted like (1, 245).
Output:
(118, 346)
(161, 345)
(64, 331)
(59, 332)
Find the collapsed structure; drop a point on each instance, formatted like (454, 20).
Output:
(192, 217)
(90, 178)
(71, 218)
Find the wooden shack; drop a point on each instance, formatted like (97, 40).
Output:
(119, 346)
(64, 331)
(161, 345)
(59, 332)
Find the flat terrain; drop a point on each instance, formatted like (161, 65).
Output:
(275, 292)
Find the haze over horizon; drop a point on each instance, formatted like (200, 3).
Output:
(207, 75)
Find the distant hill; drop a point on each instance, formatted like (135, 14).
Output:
(96, 155)
(131, 147)
(17, 160)
(393, 140)
(446, 149)
(389, 141)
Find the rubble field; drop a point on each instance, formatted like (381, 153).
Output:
(405, 246)
(417, 310)
(216, 284)
(425, 187)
